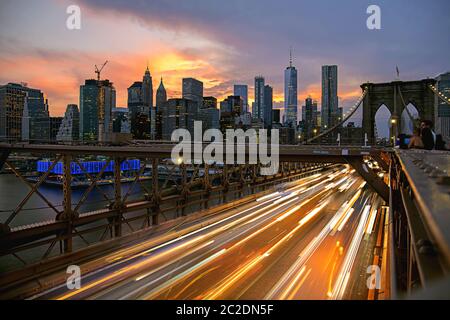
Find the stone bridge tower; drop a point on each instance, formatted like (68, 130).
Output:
(390, 94)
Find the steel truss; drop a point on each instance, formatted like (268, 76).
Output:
(170, 191)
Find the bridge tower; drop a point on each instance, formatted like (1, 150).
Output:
(396, 96)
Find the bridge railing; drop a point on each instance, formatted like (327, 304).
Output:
(420, 241)
(156, 191)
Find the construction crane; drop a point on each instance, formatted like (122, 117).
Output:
(99, 71)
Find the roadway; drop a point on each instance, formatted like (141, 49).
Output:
(300, 242)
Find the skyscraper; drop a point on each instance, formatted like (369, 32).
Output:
(276, 116)
(147, 101)
(141, 107)
(97, 99)
(121, 123)
(55, 125)
(193, 90)
(232, 104)
(147, 91)
(242, 91)
(330, 108)
(34, 125)
(135, 103)
(309, 115)
(178, 114)
(268, 106)
(442, 110)
(258, 107)
(139, 119)
(210, 115)
(161, 95)
(209, 102)
(290, 94)
(161, 103)
(70, 125)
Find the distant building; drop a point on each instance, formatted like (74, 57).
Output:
(268, 106)
(193, 90)
(290, 94)
(69, 130)
(141, 107)
(209, 115)
(276, 116)
(97, 99)
(135, 99)
(258, 108)
(34, 125)
(147, 91)
(309, 115)
(209, 102)
(178, 114)
(233, 104)
(340, 114)
(231, 109)
(55, 125)
(227, 121)
(242, 91)
(319, 119)
(330, 109)
(257, 124)
(287, 135)
(39, 116)
(244, 120)
(442, 110)
(301, 129)
(351, 135)
(121, 122)
(147, 99)
(161, 103)
(210, 118)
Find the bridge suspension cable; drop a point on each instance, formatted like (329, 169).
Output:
(352, 111)
(440, 95)
(375, 130)
(406, 107)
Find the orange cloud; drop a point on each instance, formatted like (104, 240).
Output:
(59, 76)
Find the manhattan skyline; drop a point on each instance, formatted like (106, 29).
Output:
(207, 42)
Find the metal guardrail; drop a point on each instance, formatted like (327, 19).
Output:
(420, 199)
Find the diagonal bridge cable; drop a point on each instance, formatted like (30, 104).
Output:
(440, 95)
(355, 108)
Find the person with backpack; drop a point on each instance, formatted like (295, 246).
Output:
(427, 134)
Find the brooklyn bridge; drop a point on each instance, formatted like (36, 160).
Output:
(337, 221)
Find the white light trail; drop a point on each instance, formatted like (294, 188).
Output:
(344, 274)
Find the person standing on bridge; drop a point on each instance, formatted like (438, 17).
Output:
(427, 134)
(416, 140)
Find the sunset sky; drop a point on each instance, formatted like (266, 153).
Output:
(219, 43)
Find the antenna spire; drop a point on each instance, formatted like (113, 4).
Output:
(290, 57)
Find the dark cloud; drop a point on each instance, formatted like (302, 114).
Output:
(414, 33)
